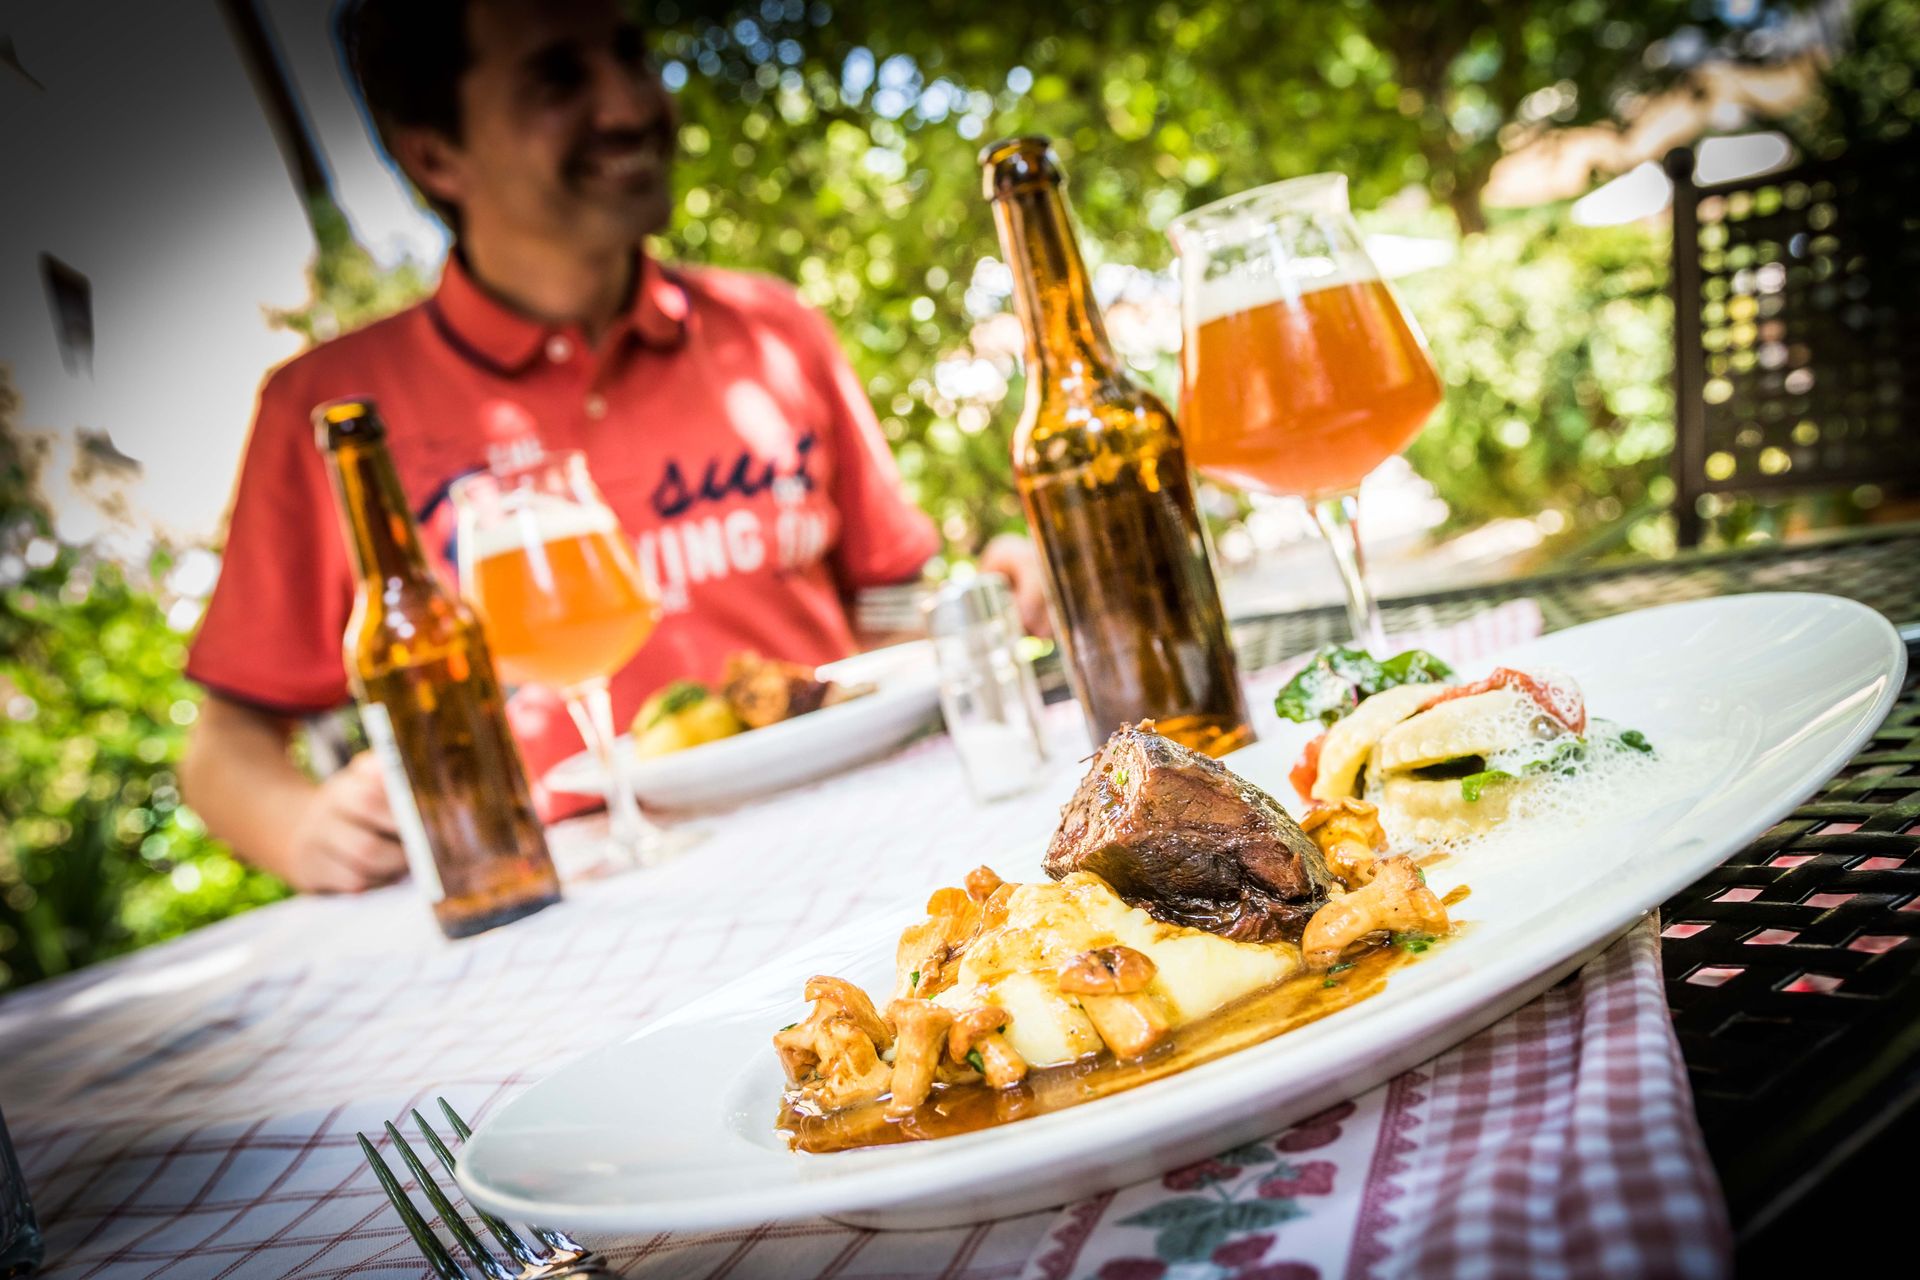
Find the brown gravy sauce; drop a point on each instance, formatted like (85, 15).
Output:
(964, 1108)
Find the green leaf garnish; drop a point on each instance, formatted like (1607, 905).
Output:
(1342, 967)
(1413, 942)
(679, 695)
(1337, 679)
(1636, 740)
(1329, 983)
(976, 1062)
(790, 1026)
(913, 979)
(1474, 783)
(1118, 778)
(1415, 666)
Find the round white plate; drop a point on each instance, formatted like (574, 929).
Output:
(761, 761)
(1752, 701)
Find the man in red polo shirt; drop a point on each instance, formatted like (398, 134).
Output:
(716, 412)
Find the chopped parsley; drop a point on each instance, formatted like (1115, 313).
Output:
(1564, 757)
(1474, 783)
(1329, 983)
(976, 1062)
(1337, 679)
(676, 698)
(1118, 778)
(913, 979)
(1412, 942)
(1342, 967)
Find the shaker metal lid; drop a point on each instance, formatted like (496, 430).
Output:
(966, 602)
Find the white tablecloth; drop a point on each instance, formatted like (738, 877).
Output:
(190, 1111)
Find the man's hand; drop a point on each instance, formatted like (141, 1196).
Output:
(333, 837)
(344, 839)
(1015, 558)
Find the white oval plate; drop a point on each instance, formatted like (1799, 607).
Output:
(761, 761)
(1756, 700)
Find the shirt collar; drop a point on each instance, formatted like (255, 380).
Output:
(503, 340)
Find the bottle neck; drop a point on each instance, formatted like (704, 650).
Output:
(1066, 343)
(386, 546)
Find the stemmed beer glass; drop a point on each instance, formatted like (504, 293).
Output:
(543, 560)
(1300, 371)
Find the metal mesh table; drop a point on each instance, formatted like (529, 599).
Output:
(1793, 970)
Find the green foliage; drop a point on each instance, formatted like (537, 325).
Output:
(1871, 97)
(842, 157)
(1555, 342)
(98, 855)
(347, 288)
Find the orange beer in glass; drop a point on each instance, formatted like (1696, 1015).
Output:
(565, 607)
(1300, 372)
(543, 560)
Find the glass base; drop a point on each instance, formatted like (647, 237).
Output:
(20, 1255)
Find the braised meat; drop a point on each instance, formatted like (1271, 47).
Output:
(1189, 841)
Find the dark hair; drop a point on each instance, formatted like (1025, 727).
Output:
(407, 57)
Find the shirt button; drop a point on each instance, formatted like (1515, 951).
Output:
(596, 406)
(559, 350)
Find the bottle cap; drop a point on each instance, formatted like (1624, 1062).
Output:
(354, 419)
(967, 602)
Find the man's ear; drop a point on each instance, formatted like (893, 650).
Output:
(433, 163)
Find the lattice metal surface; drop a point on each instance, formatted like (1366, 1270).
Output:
(1806, 334)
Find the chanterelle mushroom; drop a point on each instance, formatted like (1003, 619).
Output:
(981, 882)
(977, 1032)
(928, 950)
(1396, 898)
(920, 1028)
(833, 1057)
(1111, 983)
(1350, 835)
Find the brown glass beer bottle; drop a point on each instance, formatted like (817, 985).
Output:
(430, 701)
(1103, 477)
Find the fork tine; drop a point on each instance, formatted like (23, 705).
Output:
(558, 1241)
(449, 1216)
(436, 1253)
(509, 1238)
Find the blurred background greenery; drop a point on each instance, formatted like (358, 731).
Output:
(833, 145)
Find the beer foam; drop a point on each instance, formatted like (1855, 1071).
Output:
(528, 518)
(1249, 288)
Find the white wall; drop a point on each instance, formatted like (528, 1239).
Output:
(146, 164)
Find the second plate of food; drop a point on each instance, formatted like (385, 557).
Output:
(1202, 970)
(881, 699)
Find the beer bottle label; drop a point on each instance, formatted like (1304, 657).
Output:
(406, 814)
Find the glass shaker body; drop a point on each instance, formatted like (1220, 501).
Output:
(987, 690)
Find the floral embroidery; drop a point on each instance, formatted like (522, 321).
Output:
(1217, 1230)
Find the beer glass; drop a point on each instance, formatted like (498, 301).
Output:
(544, 561)
(1300, 371)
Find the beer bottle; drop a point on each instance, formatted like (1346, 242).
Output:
(430, 701)
(1103, 478)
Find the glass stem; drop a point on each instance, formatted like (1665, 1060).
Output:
(591, 706)
(1339, 520)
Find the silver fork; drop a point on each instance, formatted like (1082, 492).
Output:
(565, 1258)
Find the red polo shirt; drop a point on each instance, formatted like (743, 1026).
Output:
(718, 416)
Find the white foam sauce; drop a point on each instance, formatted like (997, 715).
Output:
(1611, 779)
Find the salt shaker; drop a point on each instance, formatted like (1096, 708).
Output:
(987, 690)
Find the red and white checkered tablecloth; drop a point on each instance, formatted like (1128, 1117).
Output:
(190, 1111)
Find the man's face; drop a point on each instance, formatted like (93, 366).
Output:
(567, 133)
